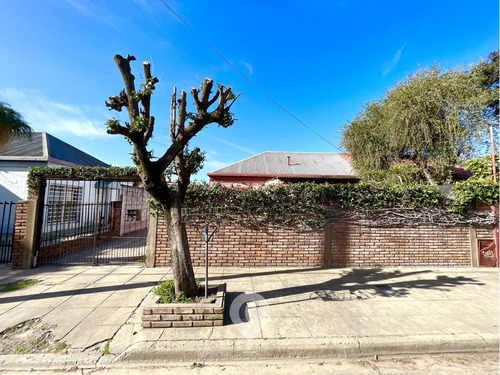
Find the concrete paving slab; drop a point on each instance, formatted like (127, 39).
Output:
(373, 326)
(291, 327)
(130, 334)
(125, 269)
(19, 315)
(108, 316)
(6, 306)
(154, 277)
(100, 270)
(121, 278)
(332, 304)
(490, 322)
(124, 298)
(330, 326)
(244, 330)
(85, 336)
(49, 302)
(85, 278)
(86, 300)
(67, 315)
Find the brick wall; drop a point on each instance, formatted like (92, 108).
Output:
(351, 245)
(237, 246)
(48, 253)
(357, 245)
(19, 233)
(486, 233)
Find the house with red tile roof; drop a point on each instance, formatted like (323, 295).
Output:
(273, 167)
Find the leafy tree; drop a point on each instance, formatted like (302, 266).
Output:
(431, 119)
(481, 168)
(177, 160)
(11, 123)
(488, 76)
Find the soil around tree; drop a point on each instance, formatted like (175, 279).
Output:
(212, 294)
(30, 337)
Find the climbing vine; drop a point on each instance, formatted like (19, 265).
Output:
(310, 206)
(35, 174)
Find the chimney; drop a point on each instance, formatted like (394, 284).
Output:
(288, 160)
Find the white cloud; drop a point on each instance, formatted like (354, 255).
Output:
(53, 117)
(213, 164)
(231, 144)
(248, 66)
(389, 65)
(144, 5)
(80, 7)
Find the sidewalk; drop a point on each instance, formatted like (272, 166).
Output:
(301, 312)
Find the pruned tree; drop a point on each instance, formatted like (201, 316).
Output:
(177, 160)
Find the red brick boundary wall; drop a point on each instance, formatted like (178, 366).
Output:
(20, 224)
(238, 246)
(357, 245)
(343, 245)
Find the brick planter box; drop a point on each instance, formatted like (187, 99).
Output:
(166, 315)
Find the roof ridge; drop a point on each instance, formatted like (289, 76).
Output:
(303, 152)
(240, 161)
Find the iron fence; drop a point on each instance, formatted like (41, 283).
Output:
(92, 222)
(8, 216)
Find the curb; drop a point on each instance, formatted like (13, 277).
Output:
(342, 347)
(49, 360)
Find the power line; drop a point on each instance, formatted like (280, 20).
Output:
(248, 79)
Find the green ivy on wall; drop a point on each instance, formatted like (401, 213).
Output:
(35, 174)
(308, 205)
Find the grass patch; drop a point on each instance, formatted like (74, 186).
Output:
(20, 285)
(40, 344)
(166, 291)
(106, 348)
(61, 347)
(21, 350)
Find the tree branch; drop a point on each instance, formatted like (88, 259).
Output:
(146, 98)
(117, 102)
(128, 78)
(116, 128)
(149, 133)
(181, 119)
(173, 114)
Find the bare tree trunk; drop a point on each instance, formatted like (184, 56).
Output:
(179, 248)
(428, 176)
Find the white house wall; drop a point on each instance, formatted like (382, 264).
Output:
(13, 185)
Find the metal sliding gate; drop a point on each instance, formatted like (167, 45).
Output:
(7, 218)
(91, 222)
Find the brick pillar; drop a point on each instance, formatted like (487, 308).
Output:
(25, 229)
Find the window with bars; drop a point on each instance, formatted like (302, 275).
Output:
(64, 204)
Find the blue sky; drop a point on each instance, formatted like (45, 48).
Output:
(321, 60)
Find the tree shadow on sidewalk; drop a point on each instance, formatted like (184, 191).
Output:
(356, 284)
(371, 282)
(80, 291)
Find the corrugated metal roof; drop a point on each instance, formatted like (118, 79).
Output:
(302, 165)
(63, 151)
(45, 147)
(22, 146)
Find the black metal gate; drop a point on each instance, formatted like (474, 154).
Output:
(7, 218)
(92, 222)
